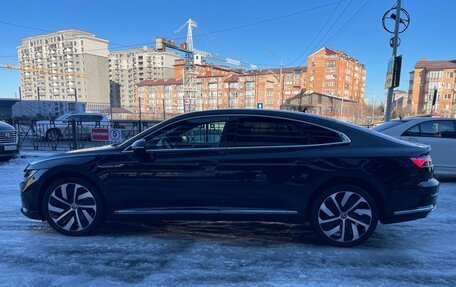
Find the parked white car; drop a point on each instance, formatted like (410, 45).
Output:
(60, 128)
(439, 133)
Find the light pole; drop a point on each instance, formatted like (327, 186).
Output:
(280, 76)
(389, 99)
(394, 14)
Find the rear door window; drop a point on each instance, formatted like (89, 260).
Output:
(252, 131)
(436, 129)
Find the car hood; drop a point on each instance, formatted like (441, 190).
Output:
(5, 127)
(74, 157)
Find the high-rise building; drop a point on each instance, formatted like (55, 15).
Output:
(67, 65)
(431, 76)
(336, 73)
(129, 67)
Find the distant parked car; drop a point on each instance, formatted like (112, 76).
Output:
(439, 133)
(60, 128)
(8, 141)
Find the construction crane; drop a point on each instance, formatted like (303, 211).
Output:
(192, 57)
(43, 71)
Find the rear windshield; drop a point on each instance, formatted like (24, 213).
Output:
(388, 125)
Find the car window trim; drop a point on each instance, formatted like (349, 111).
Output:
(344, 138)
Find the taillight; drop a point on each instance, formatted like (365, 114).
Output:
(422, 161)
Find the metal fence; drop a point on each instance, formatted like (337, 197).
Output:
(73, 135)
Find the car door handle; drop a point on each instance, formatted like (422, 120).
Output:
(113, 165)
(412, 139)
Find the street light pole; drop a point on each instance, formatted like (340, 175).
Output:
(389, 99)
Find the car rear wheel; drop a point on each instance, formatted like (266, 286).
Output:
(73, 206)
(52, 135)
(344, 216)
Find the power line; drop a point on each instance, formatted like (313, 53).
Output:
(316, 36)
(24, 26)
(138, 45)
(340, 30)
(349, 21)
(332, 26)
(270, 19)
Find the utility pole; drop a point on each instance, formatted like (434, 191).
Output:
(20, 94)
(373, 110)
(75, 95)
(389, 99)
(38, 92)
(280, 76)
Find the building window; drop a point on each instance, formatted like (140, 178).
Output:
(330, 63)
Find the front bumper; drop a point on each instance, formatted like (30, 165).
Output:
(30, 196)
(8, 153)
(411, 204)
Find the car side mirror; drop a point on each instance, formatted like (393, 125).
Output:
(139, 147)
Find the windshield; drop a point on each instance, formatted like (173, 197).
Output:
(62, 117)
(388, 125)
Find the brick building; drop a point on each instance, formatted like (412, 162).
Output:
(332, 73)
(427, 77)
(222, 87)
(335, 73)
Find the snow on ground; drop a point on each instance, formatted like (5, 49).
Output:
(418, 253)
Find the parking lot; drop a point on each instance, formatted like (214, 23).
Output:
(418, 253)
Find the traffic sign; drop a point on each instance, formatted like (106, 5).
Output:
(259, 105)
(100, 134)
(115, 135)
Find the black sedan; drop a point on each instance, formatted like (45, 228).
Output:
(239, 165)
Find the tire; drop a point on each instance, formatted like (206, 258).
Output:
(67, 212)
(52, 135)
(344, 216)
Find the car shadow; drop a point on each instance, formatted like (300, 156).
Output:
(231, 232)
(223, 231)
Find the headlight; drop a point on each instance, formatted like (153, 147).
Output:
(29, 173)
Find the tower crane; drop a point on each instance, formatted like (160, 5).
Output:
(192, 57)
(43, 71)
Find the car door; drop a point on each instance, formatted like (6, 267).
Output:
(178, 174)
(268, 164)
(441, 136)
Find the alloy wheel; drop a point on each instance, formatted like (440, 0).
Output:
(72, 207)
(344, 216)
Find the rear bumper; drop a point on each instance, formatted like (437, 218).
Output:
(411, 204)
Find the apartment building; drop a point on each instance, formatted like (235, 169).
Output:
(336, 73)
(129, 67)
(427, 77)
(67, 65)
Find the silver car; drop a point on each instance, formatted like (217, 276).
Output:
(60, 128)
(439, 133)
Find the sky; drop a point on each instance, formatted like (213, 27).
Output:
(245, 30)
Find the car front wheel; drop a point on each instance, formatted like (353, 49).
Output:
(344, 216)
(73, 206)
